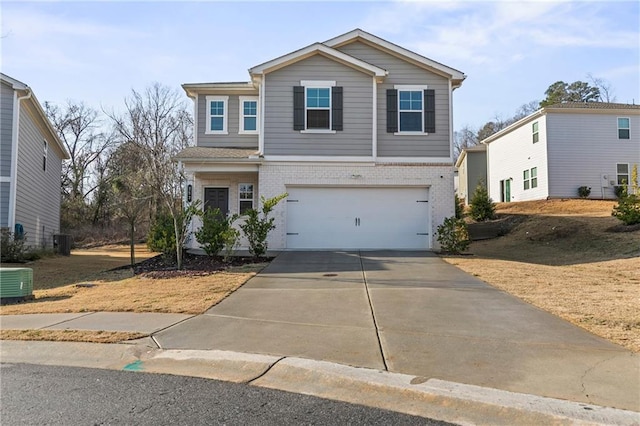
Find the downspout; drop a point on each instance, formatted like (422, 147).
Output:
(261, 95)
(14, 157)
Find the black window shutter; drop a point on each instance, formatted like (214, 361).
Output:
(392, 110)
(336, 108)
(298, 108)
(429, 111)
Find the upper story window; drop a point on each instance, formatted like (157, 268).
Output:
(623, 128)
(317, 107)
(622, 173)
(217, 116)
(536, 134)
(411, 110)
(44, 155)
(248, 115)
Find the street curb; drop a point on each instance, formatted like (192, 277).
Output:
(437, 399)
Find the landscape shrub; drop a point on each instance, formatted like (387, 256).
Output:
(162, 236)
(14, 250)
(584, 191)
(628, 209)
(482, 207)
(258, 225)
(620, 191)
(459, 206)
(217, 232)
(453, 235)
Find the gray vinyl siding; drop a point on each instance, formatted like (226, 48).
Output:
(38, 191)
(583, 147)
(4, 204)
(354, 140)
(233, 139)
(475, 171)
(402, 72)
(6, 127)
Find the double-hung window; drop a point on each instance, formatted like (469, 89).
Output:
(536, 133)
(217, 114)
(317, 107)
(411, 110)
(245, 195)
(622, 173)
(248, 115)
(530, 178)
(623, 128)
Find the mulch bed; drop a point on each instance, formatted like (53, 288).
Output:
(193, 265)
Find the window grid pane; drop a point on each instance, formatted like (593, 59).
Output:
(217, 108)
(623, 123)
(622, 168)
(318, 98)
(217, 123)
(410, 121)
(534, 182)
(534, 172)
(249, 123)
(250, 108)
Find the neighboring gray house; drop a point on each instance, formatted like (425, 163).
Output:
(30, 165)
(559, 148)
(356, 130)
(472, 170)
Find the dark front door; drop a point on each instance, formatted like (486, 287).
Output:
(217, 198)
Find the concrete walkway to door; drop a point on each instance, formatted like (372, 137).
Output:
(412, 313)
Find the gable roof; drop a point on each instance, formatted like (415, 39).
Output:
(25, 90)
(315, 49)
(456, 76)
(568, 108)
(463, 153)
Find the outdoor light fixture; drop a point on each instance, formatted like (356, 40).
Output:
(189, 192)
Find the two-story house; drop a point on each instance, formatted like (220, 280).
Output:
(559, 148)
(356, 130)
(31, 156)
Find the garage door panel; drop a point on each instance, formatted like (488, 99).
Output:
(355, 218)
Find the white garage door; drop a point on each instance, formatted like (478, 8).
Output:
(358, 218)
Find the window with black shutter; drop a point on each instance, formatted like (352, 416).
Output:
(318, 107)
(411, 110)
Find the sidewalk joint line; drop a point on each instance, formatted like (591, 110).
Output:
(171, 325)
(62, 322)
(373, 315)
(248, 382)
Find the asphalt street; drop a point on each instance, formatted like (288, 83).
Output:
(36, 394)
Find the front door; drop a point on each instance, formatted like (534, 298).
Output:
(217, 198)
(507, 190)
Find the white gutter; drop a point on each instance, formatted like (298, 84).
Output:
(261, 95)
(13, 190)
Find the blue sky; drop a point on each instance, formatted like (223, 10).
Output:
(511, 51)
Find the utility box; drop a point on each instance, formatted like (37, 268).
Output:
(16, 284)
(62, 244)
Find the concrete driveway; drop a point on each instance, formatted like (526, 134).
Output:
(412, 313)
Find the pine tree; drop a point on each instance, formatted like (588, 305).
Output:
(482, 207)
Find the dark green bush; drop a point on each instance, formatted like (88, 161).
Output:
(620, 191)
(217, 232)
(628, 210)
(453, 235)
(258, 225)
(584, 191)
(162, 236)
(482, 207)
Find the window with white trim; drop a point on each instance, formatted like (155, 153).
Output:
(622, 173)
(536, 134)
(318, 107)
(217, 116)
(245, 196)
(44, 156)
(623, 127)
(248, 115)
(410, 111)
(530, 178)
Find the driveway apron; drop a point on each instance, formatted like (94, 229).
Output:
(412, 313)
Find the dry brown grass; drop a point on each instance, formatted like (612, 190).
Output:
(561, 258)
(82, 265)
(119, 291)
(70, 335)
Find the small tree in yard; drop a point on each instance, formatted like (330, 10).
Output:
(257, 228)
(217, 232)
(453, 235)
(628, 209)
(482, 207)
(459, 206)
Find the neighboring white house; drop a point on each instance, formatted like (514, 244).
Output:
(31, 157)
(472, 170)
(559, 148)
(356, 130)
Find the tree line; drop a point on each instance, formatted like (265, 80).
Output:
(595, 90)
